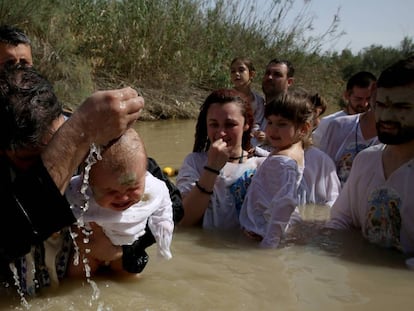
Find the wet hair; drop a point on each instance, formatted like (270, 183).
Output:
(222, 97)
(247, 61)
(294, 106)
(28, 108)
(289, 65)
(13, 35)
(362, 79)
(127, 149)
(400, 73)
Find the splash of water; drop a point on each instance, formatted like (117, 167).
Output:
(93, 157)
(96, 292)
(23, 300)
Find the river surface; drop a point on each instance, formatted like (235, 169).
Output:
(223, 271)
(168, 142)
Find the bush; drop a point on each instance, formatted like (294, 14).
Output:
(174, 51)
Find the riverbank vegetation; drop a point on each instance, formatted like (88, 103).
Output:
(176, 51)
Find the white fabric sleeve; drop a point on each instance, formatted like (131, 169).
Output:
(270, 200)
(161, 223)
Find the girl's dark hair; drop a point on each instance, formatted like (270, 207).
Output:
(222, 97)
(293, 106)
(247, 61)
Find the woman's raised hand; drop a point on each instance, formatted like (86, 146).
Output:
(218, 154)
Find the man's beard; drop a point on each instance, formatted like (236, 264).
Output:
(271, 92)
(403, 135)
(359, 109)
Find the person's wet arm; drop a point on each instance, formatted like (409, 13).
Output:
(101, 118)
(36, 206)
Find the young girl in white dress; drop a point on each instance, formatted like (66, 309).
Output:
(273, 193)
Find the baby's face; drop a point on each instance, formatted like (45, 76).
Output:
(118, 191)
